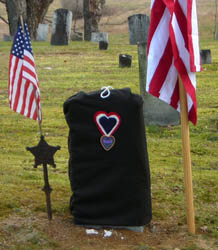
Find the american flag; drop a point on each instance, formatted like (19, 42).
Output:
(173, 50)
(23, 88)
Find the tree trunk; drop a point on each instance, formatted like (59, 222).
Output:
(87, 20)
(13, 13)
(92, 11)
(36, 11)
(33, 11)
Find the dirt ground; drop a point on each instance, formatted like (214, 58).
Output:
(61, 233)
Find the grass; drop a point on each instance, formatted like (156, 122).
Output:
(62, 72)
(66, 70)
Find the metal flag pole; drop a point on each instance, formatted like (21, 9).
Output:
(38, 116)
(187, 159)
(43, 152)
(37, 108)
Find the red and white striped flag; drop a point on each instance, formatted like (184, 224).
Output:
(23, 88)
(173, 50)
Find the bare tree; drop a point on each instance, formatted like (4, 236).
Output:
(76, 6)
(13, 14)
(33, 11)
(92, 11)
(36, 11)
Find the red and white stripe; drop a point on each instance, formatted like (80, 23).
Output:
(173, 50)
(24, 94)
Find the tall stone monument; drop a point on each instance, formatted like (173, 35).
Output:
(61, 27)
(156, 112)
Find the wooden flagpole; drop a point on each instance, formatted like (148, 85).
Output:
(187, 159)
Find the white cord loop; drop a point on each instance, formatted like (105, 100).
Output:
(105, 91)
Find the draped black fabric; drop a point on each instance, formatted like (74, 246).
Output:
(108, 165)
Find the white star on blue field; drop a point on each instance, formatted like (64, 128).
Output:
(21, 42)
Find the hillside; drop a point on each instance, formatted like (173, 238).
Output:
(118, 11)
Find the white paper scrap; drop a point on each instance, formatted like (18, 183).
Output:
(91, 231)
(107, 233)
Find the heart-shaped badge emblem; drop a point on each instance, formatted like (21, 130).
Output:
(107, 124)
(107, 142)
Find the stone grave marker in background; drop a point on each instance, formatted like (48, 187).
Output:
(61, 27)
(138, 29)
(77, 36)
(7, 38)
(99, 36)
(156, 112)
(103, 45)
(206, 56)
(125, 60)
(42, 32)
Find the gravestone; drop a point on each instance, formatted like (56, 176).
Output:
(125, 60)
(7, 38)
(103, 45)
(108, 165)
(205, 56)
(138, 28)
(99, 36)
(42, 32)
(156, 112)
(77, 36)
(61, 27)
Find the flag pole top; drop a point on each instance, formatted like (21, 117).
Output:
(20, 15)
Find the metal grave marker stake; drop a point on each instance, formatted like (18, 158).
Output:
(44, 154)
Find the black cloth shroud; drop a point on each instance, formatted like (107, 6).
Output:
(108, 166)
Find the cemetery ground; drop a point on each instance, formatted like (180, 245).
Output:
(63, 71)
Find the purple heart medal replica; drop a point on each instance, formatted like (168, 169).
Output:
(107, 124)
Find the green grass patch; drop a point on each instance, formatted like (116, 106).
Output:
(62, 72)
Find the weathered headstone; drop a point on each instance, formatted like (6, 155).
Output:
(99, 36)
(77, 36)
(103, 45)
(156, 112)
(61, 27)
(206, 56)
(138, 29)
(125, 60)
(7, 38)
(42, 32)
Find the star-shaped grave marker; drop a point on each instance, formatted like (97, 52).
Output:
(44, 154)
